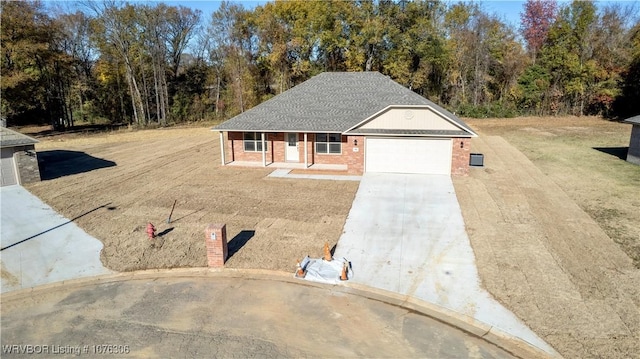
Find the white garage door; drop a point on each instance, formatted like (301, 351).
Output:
(408, 155)
(7, 168)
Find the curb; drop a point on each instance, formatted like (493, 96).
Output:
(497, 337)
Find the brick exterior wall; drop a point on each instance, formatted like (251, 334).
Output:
(276, 147)
(27, 163)
(235, 148)
(633, 155)
(352, 155)
(460, 156)
(353, 159)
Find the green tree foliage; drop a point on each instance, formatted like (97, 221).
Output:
(580, 64)
(534, 85)
(484, 64)
(417, 57)
(32, 67)
(150, 63)
(368, 36)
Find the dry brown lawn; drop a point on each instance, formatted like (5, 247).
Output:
(271, 222)
(553, 221)
(585, 157)
(554, 227)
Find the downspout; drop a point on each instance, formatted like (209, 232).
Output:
(305, 151)
(264, 152)
(222, 148)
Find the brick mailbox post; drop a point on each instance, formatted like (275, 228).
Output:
(216, 243)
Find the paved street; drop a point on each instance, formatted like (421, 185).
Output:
(224, 317)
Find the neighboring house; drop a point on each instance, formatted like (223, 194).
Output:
(351, 121)
(633, 155)
(19, 162)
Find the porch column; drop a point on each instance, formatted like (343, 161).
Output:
(305, 150)
(222, 148)
(264, 152)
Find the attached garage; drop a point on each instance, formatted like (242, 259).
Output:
(18, 161)
(408, 155)
(8, 168)
(415, 139)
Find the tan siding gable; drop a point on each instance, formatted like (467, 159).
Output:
(409, 118)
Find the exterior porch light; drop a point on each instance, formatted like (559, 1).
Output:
(355, 142)
(461, 144)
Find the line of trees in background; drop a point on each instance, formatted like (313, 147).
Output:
(149, 63)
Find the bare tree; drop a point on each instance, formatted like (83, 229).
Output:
(120, 33)
(181, 23)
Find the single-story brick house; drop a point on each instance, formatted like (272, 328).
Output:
(633, 155)
(19, 162)
(351, 121)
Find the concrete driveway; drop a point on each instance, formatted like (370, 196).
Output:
(405, 233)
(39, 246)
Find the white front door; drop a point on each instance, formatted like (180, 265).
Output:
(291, 152)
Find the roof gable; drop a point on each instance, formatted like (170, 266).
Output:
(413, 120)
(330, 102)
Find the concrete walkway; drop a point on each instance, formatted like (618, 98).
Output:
(39, 246)
(285, 173)
(167, 315)
(406, 234)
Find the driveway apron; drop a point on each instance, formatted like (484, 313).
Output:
(405, 233)
(39, 246)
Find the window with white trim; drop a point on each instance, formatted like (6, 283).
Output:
(329, 143)
(253, 142)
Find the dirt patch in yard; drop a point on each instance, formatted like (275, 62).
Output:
(554, 227)
(271, 222)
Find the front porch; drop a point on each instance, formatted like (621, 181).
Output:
(297, 151)
(290, 165)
